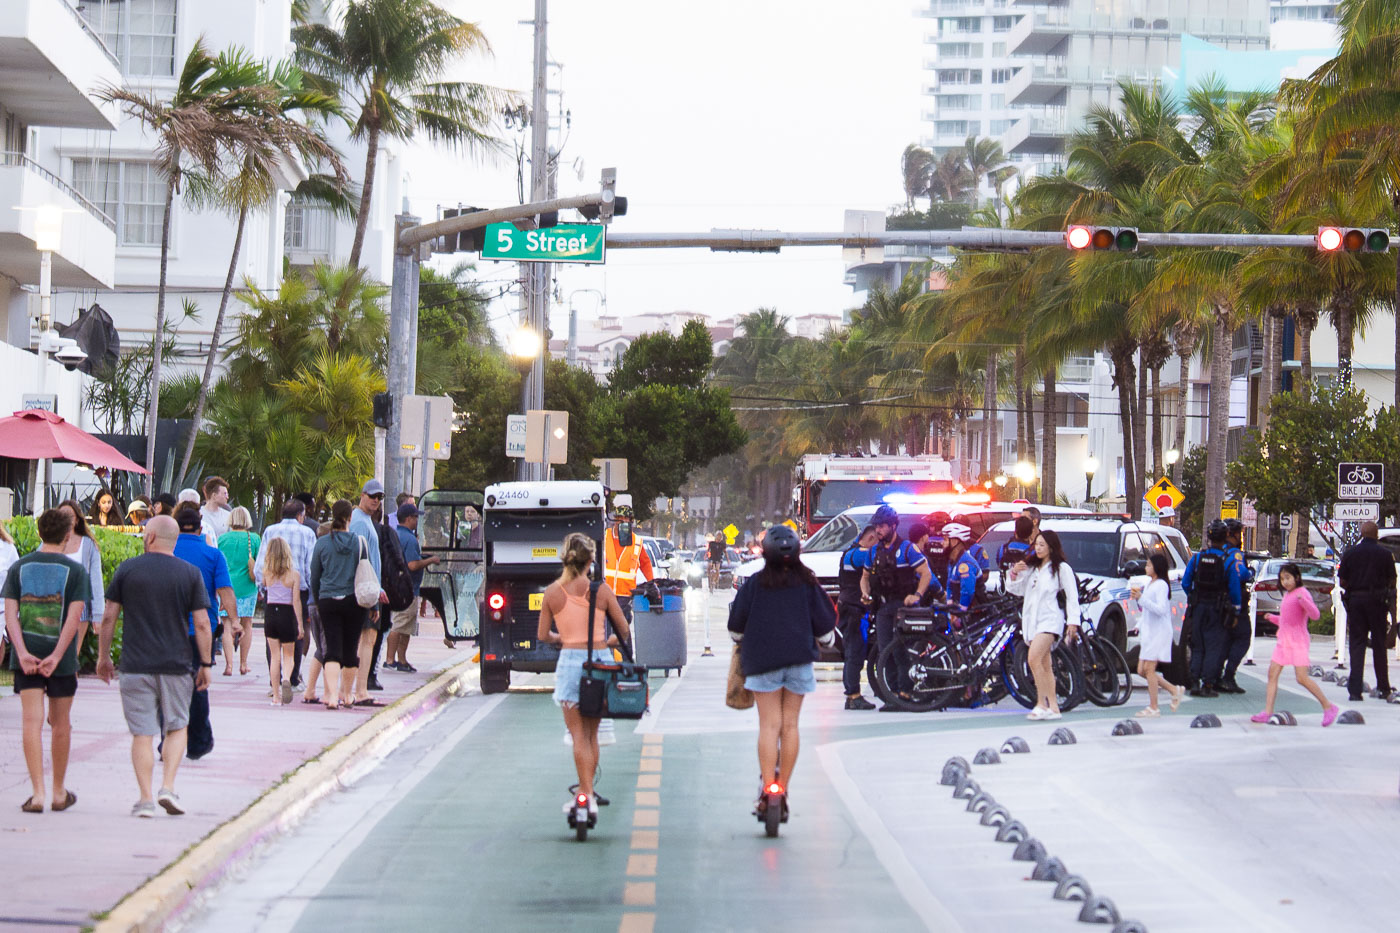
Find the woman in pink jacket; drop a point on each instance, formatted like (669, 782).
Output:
(1293, 642)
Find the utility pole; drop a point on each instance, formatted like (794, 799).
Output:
(537, 274)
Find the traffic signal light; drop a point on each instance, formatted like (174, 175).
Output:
(383, 410)
(612, 206)
(1353, 239)
(468, 241)
(1118, 239)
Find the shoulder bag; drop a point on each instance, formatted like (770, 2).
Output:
(366, 583)
(611, 691)
(736, 695)
(252, 564)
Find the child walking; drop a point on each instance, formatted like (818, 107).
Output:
(1293, 641)
(1155, 628)
(282, 622)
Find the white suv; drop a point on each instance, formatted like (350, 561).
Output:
(1110, 551)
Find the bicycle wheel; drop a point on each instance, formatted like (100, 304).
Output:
(1100, 677)
(1016, 675)
(930, 664)
(1069, 677)
(1122, 673)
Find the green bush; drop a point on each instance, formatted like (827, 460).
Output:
(25, 533)
(1324, 624)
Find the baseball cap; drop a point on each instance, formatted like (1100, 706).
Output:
(408, 510)
(188, 495)
(1167, 512)
(373, 488)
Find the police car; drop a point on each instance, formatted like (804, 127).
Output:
(1107, 550)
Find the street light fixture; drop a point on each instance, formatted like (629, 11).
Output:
(1025, 475)
(525, 344)
(1173, 456)
(1091, 466)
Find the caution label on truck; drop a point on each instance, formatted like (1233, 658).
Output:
(536, 602)
(544, 552)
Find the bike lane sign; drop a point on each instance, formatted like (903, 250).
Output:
(1360, 481)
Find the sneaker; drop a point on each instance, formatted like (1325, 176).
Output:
(858, 703)
(145, 809)
(286, 692)
(169, 801)
(1208, 692)
(390, 665)
(1148, 712)
(1331, 715)
(568, 738)
(607, 734)
(1230, 686)
(1259, 717)
(374, 685)
(406, 668)
(592, 804)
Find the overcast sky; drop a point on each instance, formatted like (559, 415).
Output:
(773, 114)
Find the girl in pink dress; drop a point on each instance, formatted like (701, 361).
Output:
(1293, 641)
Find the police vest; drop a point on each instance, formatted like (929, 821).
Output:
(1012, 552)
(891, 580)
(848, 580)
(936, 553)
(1209, 582)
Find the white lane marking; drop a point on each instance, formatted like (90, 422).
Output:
(890, 853)
(647, 723)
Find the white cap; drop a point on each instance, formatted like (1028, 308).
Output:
(188, 495)
(1167, 512)
(622, 499)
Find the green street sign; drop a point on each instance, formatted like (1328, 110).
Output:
(561, 243)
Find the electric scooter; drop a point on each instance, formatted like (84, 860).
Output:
(581, 819)
(772, 808)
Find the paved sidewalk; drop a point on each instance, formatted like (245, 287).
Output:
(62, 868)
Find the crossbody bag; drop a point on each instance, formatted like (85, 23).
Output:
(609, 690)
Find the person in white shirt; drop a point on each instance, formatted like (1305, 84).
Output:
(1040, 580)
(215, 513)
(1155, 633)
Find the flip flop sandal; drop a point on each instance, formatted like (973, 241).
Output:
(69, 799)
(368, 701)
(29, 806)
(311, 699)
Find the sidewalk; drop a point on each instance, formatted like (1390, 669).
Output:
(62, 868)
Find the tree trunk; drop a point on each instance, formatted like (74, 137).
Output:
(1219, 424)
(1183, 387)
(1157, 462)
(1272, 350)
(1139, 438)
(1019, 371)
(965, 449)
(1344, 319)
(1050, 451)
(1123, 378)
(214, 342)
(153, 412)
(990, 419)
(366, 192)
(1304, 329)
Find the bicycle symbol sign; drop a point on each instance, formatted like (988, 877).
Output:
(1360, 481)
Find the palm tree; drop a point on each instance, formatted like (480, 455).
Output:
(388, 60)
(949, 178)
(203, 120)
(985, 158)
(281, 134)
(916, 165)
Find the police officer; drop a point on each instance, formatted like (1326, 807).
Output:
(936, 549)
(899, 575)
(1212, 586)
(1019, 547)
(966, 580)
(921, 538)
(1367, 575)
(850, 612)
(1237, 626)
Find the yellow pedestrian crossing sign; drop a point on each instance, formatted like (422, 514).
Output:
(1164, 495)
(730, 532)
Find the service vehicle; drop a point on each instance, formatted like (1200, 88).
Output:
(450, 527)
(524, 528)
(828, 484)
(1112, 552)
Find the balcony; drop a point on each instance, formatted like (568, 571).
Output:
(1036, 134)
(1039, 82)
(51, 64)
(87, 257)
(1039, 33)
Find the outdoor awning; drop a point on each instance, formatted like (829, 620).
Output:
(43, 435)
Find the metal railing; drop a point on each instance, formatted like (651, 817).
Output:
(21, 160)
(87, 28)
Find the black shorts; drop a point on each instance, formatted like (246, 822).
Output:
(57, 687)
(280, 622)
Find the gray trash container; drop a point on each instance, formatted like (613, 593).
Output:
(658, 625)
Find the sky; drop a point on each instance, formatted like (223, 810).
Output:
(771, 114)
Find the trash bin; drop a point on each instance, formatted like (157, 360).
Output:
(658, 625)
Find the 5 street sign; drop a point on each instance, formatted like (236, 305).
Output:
(560, 243)
(1360, 481)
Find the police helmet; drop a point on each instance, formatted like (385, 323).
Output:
(781, 542)
(958, 531)
(1217, 531)
(885, 515)
(1234, 526)
(936, 520)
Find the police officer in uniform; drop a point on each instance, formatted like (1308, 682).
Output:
(1212, 586)
(1367, 575)
(966, 581)
(922, 538)
(850, 612)
(1237, 627)
(936, 549)
(1018, 548)
(899, 575)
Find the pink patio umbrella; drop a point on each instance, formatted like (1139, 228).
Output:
(43, 435)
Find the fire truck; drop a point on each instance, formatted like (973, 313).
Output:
(829, 484)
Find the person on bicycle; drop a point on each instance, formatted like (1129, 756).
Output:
(965, 573)
(849, 613)
(714, 557)
(1040, 581)
(564, 622)
(778, 618)
(897, 573)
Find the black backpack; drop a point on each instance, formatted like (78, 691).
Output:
(395, 579)
(1209, 581)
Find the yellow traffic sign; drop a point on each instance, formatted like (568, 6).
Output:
(793, 525)
(730, 532)
(1229, 508)
(1163, 495)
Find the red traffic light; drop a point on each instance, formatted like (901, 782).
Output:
(1078, 237)
(1120, 239)
(1353, 239)
(1329, 239)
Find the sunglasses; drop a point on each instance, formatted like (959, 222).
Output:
(379, 496)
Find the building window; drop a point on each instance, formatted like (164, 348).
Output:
(141, 33)
(1003, 23)
(133, 193)
(310, 228)
(962, 24)
(999, 75)
(997, 127)
(951, 128)
(955, 102)
(953, 76)
(997, 101)
(955, 49)
(998, 50)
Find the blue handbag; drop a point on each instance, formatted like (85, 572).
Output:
(607, 690)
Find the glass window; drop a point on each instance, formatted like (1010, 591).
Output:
(133, 193)
(999, 75)
(1003, 23)
(141, 33)
(1092, 552)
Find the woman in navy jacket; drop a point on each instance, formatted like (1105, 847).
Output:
(777, 619)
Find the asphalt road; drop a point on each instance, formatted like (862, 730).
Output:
(1245, 827)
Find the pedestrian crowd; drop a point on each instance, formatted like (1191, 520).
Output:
(335, 594)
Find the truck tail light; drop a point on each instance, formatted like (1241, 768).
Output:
(496, 602)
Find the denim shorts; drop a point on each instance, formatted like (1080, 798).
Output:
(795, 678)
(570, 668)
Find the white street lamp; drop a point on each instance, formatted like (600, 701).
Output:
(1173, 456)
(48, 237)
(1091, 466)
(525, 344)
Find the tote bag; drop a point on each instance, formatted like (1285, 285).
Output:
(366, 582)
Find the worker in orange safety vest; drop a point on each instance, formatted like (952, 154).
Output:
(626, 563)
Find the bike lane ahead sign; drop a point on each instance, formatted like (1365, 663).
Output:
(1360, 481)
(560, 243)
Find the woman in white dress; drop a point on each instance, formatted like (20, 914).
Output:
(1155, 633)
(1040, 580)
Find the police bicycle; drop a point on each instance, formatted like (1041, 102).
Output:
(1108, 680)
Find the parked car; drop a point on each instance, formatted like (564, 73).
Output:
(666, 560)
(1317, 577)
(698, 568)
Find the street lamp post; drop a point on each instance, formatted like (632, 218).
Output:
(1091, 466)
(48, 237)
(1025, 475)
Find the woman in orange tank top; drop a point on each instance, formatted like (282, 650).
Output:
(564, 622)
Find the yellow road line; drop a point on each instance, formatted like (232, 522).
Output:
(641, 866)
(637, 922)
(639, 894)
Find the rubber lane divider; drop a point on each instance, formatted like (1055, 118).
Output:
(639, 889)
(180, 884)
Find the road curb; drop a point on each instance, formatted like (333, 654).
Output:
(179, 886)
